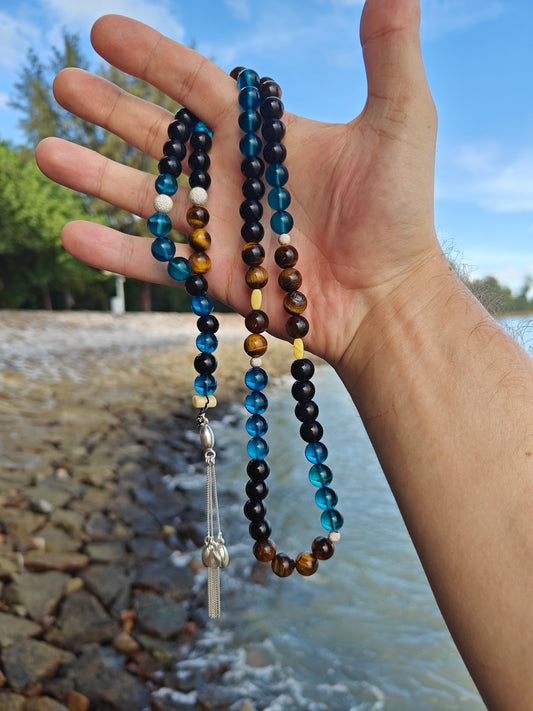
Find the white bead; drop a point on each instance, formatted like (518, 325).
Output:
(198, 196)
(334, 536)
(163, 203)
(256, 362)
(284, 239)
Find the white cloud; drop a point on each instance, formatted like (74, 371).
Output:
(17, 35)
(240, 8)
(444, 16)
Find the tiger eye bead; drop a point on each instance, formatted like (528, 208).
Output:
(200, 239)
(306, 564)
(253, 254)
(283, 565)
(264, 551)
(297, 326)
(256, 321)
(322, 548)
(295, 302)
(290, 279)
(197, 216)
(256, 277)
(255, 345)
(200, 262)
(286, 256)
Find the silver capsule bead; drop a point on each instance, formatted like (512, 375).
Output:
(207, 437)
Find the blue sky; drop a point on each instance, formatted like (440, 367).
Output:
(479, 60)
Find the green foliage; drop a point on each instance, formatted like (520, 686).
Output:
(499, 299)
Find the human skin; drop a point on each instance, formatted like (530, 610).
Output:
(444, 393)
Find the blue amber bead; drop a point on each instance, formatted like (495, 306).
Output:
(248, 77)
(281, 222)
(159, 224)
(257, 448)
(205, 384)
(276, 175)
(256, 379)
(279, 198)
(326, 498)
(201, 126)
(166, 184)
(256, 426)
(316, 452)
(250, 120)
(206, 342)
(249, 97)
(250, 145)
(331, 520)
(320, 475)
(179, 268)
(201, 305)
(256, 403)
(163, 249)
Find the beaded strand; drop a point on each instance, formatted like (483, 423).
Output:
(261, 107)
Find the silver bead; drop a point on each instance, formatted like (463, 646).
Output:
(221, 555)
(208, 555)
(207, 438)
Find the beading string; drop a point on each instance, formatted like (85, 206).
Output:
(261, 108)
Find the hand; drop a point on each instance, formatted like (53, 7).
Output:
(362, 193)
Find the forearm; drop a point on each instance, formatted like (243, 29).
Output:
(446, 395)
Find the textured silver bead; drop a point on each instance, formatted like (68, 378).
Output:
(163, 203)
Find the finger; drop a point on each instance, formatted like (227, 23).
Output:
(180, 72)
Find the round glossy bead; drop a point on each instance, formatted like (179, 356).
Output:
(322, 548)
(198, 196)
(273, 130)
(290, 279)
(200, 239)
(250, 145)
(271, 107)
(269, 87)
(248, 77)
(316, 452)
(302, 369)
(195, 285)
(197, 216)
(256, 490)
(205, 363)
(249, 97)
(283, 565)
(256, 277)
(281, 222)
(276, 175)
(295, 302)
(254, 510)
(306, 411)
(258, 469)
(199, 179)
(163, 249)
(286, 256)
(250, 121)
(331, 520)
(256, 321)
(279, 198)
(326, 498)
(264, 551)
(320, 475)
(185, 116)
(179, 130)
(274, 152)
(257, 448)
(159, 224)
(201, 305)
(205, 384)
(252, 166)
(252, 232)
(199, 160)
(253, 189)
(206, 342)
(175, 148)
(179, 268)
(200, 262)
(255, 345)
(256, 379)
(306, 564)
(201, 138)
(171, 165)
(311, 431)
(256, 402)
(256, 426)
(297, 326)
(303, 390)
(166, 184)
(251, 210)
(234, 74)
(207, 324)
(253, 254)
(260, 530)
(163, 203)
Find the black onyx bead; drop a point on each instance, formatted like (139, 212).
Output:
(252, 167)
(185, 116)
(254, 510)
(303, 390)
(311, 431)
(258, 469)
(273, 130)
(271, 107)
(252, 231)
(274, 152)
(302, 369)
(286, 256)
(201, 141)
(207, 324)
(306, 411)
(199, 160)
(253, 254)
(268, 87)
(260, 529)
(171, 165)
(199, 179)
(179, 130)
(251, 210)
(234, 74)
(256, 490)
(175, 148)
(257, 322)
(195, 284)
(253, 189)
(297, 326)
(205, 363)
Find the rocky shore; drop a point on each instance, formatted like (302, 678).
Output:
(100, 594)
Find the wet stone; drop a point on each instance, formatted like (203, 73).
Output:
(12, 702)
(27, 662)
(39, 593)
(20, 523)
(44, 703)
(65, 562)
(158, 615)
(108, 583)
(83, 620)
(148, 549)
(54, 497)
(99, 526)
(59, 541)
(69, 521)
(111, 552)
(13, 628)
(164, 577)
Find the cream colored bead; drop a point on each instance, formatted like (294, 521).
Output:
(334, 536)
(163, 203)
(200, 401)
(298, 346)
(284, 239)
(256, 299)
(256, 362)
(198, 196)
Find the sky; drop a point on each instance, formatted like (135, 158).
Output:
(479, 61)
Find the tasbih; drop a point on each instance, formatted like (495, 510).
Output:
(260, 108)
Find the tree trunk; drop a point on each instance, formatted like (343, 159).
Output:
(146, 297)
